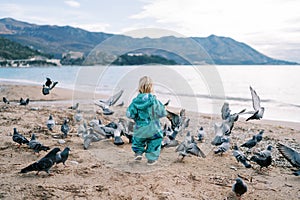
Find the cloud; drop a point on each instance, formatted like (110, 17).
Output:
(72, 3)
(245, 21)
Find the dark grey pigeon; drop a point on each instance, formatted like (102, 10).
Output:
(24, 102)
(265, 153)
(50, 123)
(224, 146)
(19, 138)
(259, 136)
(62, 156)
(65, 128)
(48, 82)
(43, 164)
(262, 161)
(240, 157)
(250, 143)
(239, 187)
(5, 100)
(36, 145)
(45, 90)
(291, 155)
(258, 110)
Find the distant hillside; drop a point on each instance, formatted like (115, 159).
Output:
(142, 60)
(58, 40)
(11, 50)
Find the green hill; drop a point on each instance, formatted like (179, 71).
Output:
(10, 50)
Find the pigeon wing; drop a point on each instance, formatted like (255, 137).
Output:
(290, 154)
(225, 111)
(255, 99)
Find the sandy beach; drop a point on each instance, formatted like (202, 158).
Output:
(107, 171)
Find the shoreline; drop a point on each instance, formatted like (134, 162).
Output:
(15, 90)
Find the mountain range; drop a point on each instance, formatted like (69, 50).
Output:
(59, 40)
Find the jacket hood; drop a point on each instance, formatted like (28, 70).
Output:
(143, 101)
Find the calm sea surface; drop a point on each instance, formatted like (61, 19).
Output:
(196, 88)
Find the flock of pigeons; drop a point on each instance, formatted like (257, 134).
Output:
(95, 131)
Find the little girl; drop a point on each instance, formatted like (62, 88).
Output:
(146, 110)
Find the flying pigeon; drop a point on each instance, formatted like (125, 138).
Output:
(65, 128)
(105, 104)
(258, 110)
(188, 146)
(240, 157)
(226, 113)
(43, 164)
(239, 187)
(62, 156)
(223, 147)
(291, 155)
(74, 107)
(36, 145)
(250, 143)
(19, 138)
(24, 102)
(5, 100)
(90, 137)
(50, 123)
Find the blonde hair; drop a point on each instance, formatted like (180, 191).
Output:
(145, 85)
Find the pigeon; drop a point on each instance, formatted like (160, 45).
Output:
(201, 134)
(239, 187)
(265, 153)
(105, 104)
(240, 157)
(24, 102)
(113, 99)
(175, 119)
(250, 143)
(291, 155)
(127, 130)
(74, 107)
(19, 138)
(169, 137)
(65, 128)
(36, 145)
(90, 137)
(5, 100)
(226, 113)
(218, 128)
(82, 129)
(45, 90)
(262, 161)
(50, 123)
(117, 135)
(43, 164)
(188, 146)
(258, 110)
(78, 116)
(223, 147)
(48, 82)
(259, 136)
(62, 156)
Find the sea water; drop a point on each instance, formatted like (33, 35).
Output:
(196, 88)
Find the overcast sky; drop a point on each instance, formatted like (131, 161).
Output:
(270, 26)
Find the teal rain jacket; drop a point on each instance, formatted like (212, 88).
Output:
(146, 110)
